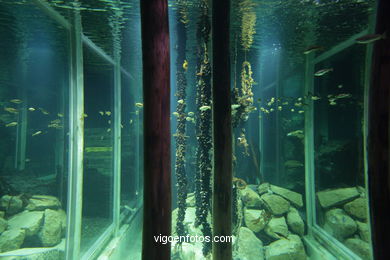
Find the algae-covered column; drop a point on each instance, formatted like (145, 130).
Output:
(222, 129)
(203, 126)
(156, 94)
(180, 135)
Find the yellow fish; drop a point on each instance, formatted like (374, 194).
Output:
(11, 110)
(108, 113)
(16, 101)
(185, 65)
(181, 101)
(37, 133)
(139, 105)
(204, 108)
(175, 114)
(101, 113)
(11, 124)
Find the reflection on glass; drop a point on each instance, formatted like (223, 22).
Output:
(98, 138)
(33, 128)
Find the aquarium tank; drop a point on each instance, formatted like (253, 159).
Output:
(71, 122)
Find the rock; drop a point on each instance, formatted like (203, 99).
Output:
(357, 208)
(294, 197)
(190, 201)
(359, 247)
(282, 249)
(50, 234)
(11, 239)
(250, 198)
(187, 251)
(339, 224)
(276, 204)
(249, 247)
(28, 221)
(255, 220)
(295, 222)
(364, 231)
(334, 197)
(3, 225)
(32, 254)
(42, 202)
(62, 216)
(277, 228)
(11, 204)
(264, 188)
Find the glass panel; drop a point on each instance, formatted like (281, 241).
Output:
(34, 79)
(339, 157)
(98, 137)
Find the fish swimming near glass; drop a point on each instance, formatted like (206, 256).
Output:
(369, 38)
(323, 72)
(312, 48)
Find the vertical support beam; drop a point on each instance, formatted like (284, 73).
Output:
(76, 141)
(117, 135)
(309, 145)
(222, 128)
(378, 137)
(157, 157)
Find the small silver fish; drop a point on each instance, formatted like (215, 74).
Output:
(16, 101)
(204, 108)
(31, 109)
(11, 124)
(323, 72)
(312, 48)
(369, 38)
(37, 133)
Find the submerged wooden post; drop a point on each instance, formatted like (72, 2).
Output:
(222, 129)
(157, 163)
(378, 137)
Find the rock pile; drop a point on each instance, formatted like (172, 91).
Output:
(271, 228)
(35, 224)
(345, 217)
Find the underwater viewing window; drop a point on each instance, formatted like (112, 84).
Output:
(72, 116)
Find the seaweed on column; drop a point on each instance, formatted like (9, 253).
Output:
(180, 135)
(203, 127)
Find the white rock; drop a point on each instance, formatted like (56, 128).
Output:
(254, 219)
(359, 247)
(294, 197)
(357, 208)
(364, 231)
(250, 198)
(283, 249)
(277, 228)
(339, 224)
(11, 239)
(249, 247)
(50, 233)
(42, 202)
(334, 197)
(295, 222)
(11, 204)
(28, 221)
(276, 204)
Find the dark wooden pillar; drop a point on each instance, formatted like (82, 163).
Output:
(222, 128)
(378, 137)
(157, 163)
